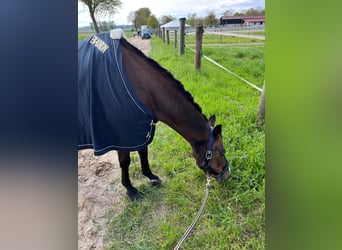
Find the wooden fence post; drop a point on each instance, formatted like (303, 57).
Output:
(175, 43)
(167, 37)
(163, 34)
(198, 53)
(181, 35)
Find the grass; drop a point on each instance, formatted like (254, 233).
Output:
(213, 39)
(234, 217)
(243, 56)
(82, 35)
(247, 62)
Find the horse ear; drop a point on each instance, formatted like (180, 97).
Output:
(212, 120)
(217, 131)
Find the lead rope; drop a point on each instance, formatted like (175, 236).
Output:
(185, 235)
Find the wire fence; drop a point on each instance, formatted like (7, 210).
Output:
(229, 71)
(221, 30)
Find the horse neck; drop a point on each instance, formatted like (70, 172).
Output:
(162, 94)
(173, 108)
(180, 114)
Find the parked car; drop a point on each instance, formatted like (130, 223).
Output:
(145, 35)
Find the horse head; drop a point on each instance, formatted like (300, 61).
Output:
(215, 164)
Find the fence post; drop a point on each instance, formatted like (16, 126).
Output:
(175, 44)
(181, 35)
(167, 37)
(198, 53)
(163, 34)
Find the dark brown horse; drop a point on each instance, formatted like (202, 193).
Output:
(162, 94)
(173, 105)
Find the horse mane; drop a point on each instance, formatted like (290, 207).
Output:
(165, 72)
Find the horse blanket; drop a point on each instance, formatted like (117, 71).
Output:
(110, 114)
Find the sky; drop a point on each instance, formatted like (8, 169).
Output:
(175, 8)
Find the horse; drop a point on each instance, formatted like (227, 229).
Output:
(158, 95)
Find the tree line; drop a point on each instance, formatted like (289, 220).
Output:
(210, 20)
(144, 16)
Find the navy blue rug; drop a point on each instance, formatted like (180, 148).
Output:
(110, 114)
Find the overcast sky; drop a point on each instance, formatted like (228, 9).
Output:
(175, 8)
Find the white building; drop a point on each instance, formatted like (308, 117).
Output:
(174, 25)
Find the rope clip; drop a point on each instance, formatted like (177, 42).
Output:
(208, 184)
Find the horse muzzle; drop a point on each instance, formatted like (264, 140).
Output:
(224, 175)
(220, 177)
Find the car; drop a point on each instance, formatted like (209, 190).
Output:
(145, 35)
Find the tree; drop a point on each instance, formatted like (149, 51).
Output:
(152, 22)
(103, 26)
(254, 12)
(229, 12)
(239, 14)
(141, 16)
(101, 7)
(111, 25)
(251, 12)
(166, 19)
(199, 22)
(191, 19)
(210, 19)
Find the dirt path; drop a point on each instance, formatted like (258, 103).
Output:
(143, 45)
(99, 188)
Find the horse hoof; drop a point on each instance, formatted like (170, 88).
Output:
(134, 197)
(155, 182)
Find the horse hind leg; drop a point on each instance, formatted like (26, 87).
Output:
(145, 167)
(125, 160)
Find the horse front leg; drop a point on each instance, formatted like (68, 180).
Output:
(145, 167)
(125, 160)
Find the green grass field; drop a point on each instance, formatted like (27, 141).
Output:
(246, 61)
(82, 35)
(244, 56)
(190, 39)
(234, 217)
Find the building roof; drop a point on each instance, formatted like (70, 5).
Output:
(173, 24)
